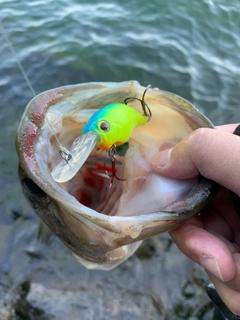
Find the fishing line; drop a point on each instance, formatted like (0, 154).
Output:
(64, 153)
(5, 35)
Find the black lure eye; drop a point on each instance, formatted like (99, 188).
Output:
(104, 126)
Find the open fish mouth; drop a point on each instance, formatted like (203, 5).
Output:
(103, 225)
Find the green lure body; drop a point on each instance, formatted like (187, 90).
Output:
(114, 123)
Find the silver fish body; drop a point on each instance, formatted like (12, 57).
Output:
(103, 226)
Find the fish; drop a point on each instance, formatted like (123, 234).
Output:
(63, 164)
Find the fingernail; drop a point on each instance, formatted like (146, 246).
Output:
(212, 266)
(161, 158)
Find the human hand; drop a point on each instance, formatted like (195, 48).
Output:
(212, 238)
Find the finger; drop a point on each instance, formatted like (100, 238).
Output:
(212, 153)
(222, 218)
(230, 291)
(205, 248)
(228, 127)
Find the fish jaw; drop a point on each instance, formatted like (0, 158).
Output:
(144, 191)
(100, 225)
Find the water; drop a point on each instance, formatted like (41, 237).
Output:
(190, 48)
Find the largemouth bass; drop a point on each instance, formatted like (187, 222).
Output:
(103, 226)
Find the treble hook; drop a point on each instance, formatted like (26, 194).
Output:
(146, 110)
(112, 156)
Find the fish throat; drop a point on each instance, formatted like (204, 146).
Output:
(91, 185)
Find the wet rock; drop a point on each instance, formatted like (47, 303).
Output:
(4, 314)
(194, 303)
(93, 304)
(16, 306)
(158, 282)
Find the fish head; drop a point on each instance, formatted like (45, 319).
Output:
(103, 226)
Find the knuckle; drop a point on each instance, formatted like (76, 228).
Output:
(200, 141)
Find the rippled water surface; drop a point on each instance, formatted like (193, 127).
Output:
(190, 48)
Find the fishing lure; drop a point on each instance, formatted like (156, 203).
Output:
(114, 124)
(106, 129)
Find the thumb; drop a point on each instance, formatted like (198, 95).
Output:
(210, 152)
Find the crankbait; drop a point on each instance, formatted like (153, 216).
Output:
(106, 129)
(114, 124)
